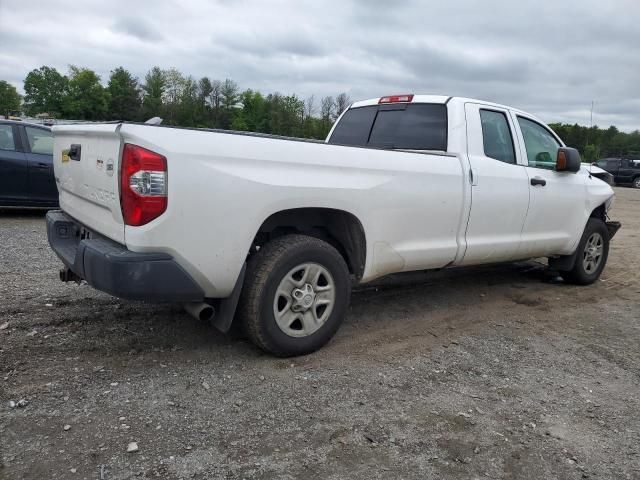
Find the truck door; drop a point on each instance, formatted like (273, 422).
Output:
(499, 186)
(14, 174)
(39, 152)
(557, 199)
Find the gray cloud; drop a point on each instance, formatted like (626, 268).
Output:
(136, 27)
(550, 61)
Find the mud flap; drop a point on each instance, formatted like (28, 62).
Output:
(613, 228)
(226, 308)
(563, 263)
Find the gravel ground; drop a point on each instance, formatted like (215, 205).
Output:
(469, 373)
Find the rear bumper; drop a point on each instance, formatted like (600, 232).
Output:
(108, 266)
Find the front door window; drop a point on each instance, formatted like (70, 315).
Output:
(542, 147)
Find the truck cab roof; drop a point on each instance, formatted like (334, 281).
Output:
(437, 99)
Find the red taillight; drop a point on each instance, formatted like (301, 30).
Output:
(143, 185)
(396, 99)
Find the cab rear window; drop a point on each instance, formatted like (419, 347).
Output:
(418, 126)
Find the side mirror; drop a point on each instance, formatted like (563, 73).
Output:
(568, 160)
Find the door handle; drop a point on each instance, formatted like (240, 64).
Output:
(75, 152)
(42, 165)
(538, 181)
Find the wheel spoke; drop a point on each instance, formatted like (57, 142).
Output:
(288, 283)
(287, 307)
(311, 274)
(325, 297)
(309, 321)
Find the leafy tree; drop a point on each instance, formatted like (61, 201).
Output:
(154, 89)
(87, 99)
(205, 88)
(174, 88)
(45, 91)
(239, 124)
(594, 143)
(188, 103)
(124, 95)
(9, 98)
(591, 153)
(228, 100)
(254, 114)
(229, 94)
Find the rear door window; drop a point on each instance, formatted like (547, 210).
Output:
(419, 126)
(496, 136)
(6, 138)
(40, 140)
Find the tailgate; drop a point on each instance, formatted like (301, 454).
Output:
(88, 181)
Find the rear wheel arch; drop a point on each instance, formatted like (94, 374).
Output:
(341, 229)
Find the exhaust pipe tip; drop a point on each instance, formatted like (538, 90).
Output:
(201, 311)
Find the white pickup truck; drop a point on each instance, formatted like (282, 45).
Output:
(274, 231)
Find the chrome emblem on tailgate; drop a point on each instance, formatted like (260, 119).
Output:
(99, 195)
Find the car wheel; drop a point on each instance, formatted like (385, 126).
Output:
(591, 255)
(295, 296)
(636, 182)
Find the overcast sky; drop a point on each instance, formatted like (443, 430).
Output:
(549, 58)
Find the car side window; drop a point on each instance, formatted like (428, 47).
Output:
(40, 140)
(613, 164)
(541, 145)
(496, 136)
(6, 138)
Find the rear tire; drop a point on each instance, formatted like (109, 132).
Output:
(295, 295)
(636, 182)
(591, 255)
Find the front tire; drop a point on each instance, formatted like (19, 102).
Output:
(636, 182)
(591, 255)
(295, 296)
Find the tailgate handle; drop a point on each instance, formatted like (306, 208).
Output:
(74, 152)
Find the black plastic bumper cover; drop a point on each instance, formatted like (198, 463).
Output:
(110, 267)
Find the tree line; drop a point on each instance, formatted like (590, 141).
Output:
(189, 102)
(595, 143)
(177, 98)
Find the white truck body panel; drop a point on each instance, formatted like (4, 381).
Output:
(242, 180)
(418, 210)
